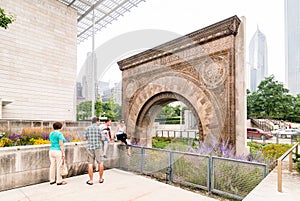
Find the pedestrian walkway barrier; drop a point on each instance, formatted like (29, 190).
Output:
(279, 164)
(224, 176)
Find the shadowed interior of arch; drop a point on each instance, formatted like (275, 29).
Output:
(152, 112)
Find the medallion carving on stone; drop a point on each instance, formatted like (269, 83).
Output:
(213, 73)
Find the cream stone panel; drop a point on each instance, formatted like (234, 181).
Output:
(38, 60)
(240, 90)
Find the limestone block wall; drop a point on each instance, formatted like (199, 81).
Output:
(27, 165)
(38, 60)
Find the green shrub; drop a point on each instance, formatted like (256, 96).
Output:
(274, 151)
(161, 142)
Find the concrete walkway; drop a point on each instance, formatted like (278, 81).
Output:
(267, 189)
(125, 186)
(118, 186)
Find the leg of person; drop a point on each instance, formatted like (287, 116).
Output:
(124, 137)
(105, 148)
(128, 148)
(52, 168)
(100, 159)
(101, 171)
(91, 157)
(58, 158)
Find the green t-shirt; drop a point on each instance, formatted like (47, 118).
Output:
(54, 138)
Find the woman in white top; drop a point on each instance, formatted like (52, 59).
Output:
(121, 133)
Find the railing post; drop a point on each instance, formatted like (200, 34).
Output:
(210, 174)
(171, 165)
(120, 159)
(290, 161)
(279, 175)
(142, 159)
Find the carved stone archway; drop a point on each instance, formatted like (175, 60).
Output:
(204, 70)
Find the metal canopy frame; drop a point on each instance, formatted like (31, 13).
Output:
(105, 12)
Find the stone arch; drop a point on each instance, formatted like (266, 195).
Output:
(204, 70)
(162, 91)
(145, 119)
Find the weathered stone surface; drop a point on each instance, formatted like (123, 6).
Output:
(26, 165)
(198, 69)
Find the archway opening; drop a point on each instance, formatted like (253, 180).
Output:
(155, 116)
(175, 116)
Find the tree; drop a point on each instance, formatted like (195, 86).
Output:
(98, 108)
(296, 112)
(108, 109)
(84, 110)
(112, 110)
(270, 100)
(5, 19)
(168, 111)
(253, 109)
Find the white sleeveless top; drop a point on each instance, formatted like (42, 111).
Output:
(120, 131)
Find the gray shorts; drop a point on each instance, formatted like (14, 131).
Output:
(95, 154)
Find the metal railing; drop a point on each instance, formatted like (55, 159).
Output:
(224, 176)
(262, 124)
(279, 165)
(177, 134)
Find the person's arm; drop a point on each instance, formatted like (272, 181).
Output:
(62, 148)
(85, 135)
(110, 134)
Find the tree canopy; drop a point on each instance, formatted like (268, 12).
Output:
(5, 19)
(108, 109)
(272, 100)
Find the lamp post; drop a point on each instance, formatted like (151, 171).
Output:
(93, 65)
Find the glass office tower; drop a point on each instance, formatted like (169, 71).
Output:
(258, 59)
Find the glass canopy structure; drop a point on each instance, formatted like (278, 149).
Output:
(104, 12)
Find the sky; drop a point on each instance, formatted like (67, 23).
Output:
(185, 16)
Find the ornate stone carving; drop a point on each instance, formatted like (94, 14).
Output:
(214, 72)
(197, 69)
(130, 88)
(221, 29)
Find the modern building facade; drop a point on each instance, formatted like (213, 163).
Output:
(87, 78)
(38, 61)
(292, 45)
(258, 59)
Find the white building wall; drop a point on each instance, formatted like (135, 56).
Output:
(38, 60)
(292, 45)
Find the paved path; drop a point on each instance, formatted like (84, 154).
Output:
(125, 186)
(118, 186)
(267, 189)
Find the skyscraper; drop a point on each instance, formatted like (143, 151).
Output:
(258, 59)
(292, 45)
